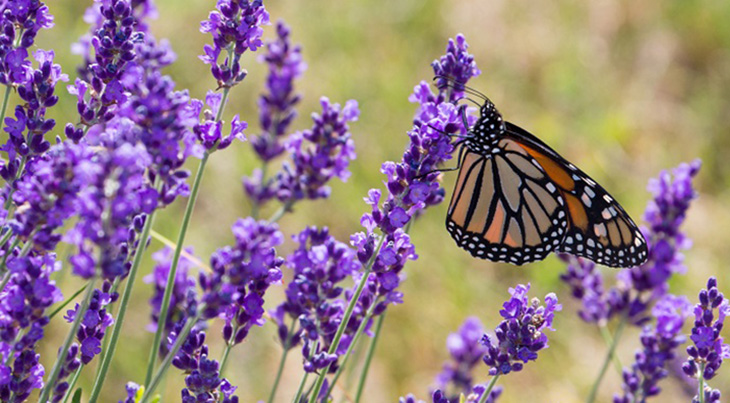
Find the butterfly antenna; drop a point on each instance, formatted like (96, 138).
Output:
(458, 85)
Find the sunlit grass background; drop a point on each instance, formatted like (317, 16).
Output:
(623, 89)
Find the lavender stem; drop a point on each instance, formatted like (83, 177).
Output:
(369, 357)
(281, 362)
(485, 395)
(61, 359)
(109, 354)
(701, 383)
(170, 285)
(5, 103)
(609, 340)
(345, 319)
(609, 357)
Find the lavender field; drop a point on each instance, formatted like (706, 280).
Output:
(241, 201)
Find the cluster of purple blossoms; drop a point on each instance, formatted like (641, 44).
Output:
(95, 321)
(184, 297)
(47, 191)
(466, 352)
(20, 22)
(114, 192)
(203, 382)
(318, 154)
(520, 336)
(26, 133)
(313, 297)
(241, 275)
(236, 27)
(276, 108)
(658, 343)
(708, 349)
(638, 288)
(29, 292)
(70, 365)
(114, 42)
(210, 131)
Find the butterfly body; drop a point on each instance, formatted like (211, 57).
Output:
(516, 200)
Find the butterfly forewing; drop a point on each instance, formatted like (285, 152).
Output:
(504, 208)
(598, 227)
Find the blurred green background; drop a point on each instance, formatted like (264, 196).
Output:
(623, 89)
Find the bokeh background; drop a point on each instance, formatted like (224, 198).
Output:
(624, 89)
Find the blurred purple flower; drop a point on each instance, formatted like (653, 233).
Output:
(466, 352)
(276, 107)
(659, 343)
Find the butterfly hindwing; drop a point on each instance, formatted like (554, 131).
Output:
(598, 227)
(505, 208)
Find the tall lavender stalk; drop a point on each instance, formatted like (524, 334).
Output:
(236, 28)
(412, 186)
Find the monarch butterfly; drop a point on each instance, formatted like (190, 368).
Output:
(516, 200)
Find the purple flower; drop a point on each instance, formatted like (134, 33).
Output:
(519, 337)
(319, 264)
(95, 322)
(276, 107)
(114, 37)
(236, 28)
(455, 68)
(23, 304)
(184, 298)
(241, 275)
(708, 349)
(113, 191)
(20, 23)
(210, 132)
(318, 155)
(659, 343)
(466, 352)
(473, 395)
(132, 393)
(203, 382)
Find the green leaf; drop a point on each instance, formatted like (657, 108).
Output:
(77, 396)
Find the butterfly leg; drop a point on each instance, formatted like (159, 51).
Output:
(461, 152)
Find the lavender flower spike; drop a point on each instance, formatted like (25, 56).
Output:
(658, 350)
(466, 352)
(236, 28)
(708, 349)
(519, 337)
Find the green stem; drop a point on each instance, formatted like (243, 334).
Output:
(282, 361)
(369, 357)
(117, 330)
(226, 354)
(6, 237)
(303, 382)
(485, 395)
(170, 286)
(298, 396)
(609, 340)
(61, 360)
(281, 211)
(71, 385)
(67, 301)
(609, 357)
(189, 323)
(5, 104)
(701, 384)
(345, 320)
(352, 345)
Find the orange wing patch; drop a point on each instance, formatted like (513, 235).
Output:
(556, 173)
(577, 212)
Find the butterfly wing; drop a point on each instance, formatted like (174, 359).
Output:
(598, 227)
(505, 207)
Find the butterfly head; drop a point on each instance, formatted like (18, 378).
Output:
(487, 130)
